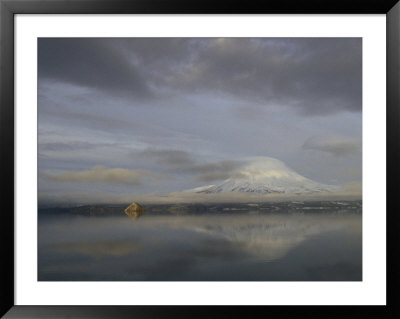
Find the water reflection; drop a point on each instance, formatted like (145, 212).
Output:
(232, 247)
(99, 250)
(134, 215)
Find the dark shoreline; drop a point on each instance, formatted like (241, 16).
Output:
(270, 207)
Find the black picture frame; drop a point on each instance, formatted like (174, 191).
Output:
(9, 8)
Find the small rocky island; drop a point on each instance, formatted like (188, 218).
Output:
(135, 210)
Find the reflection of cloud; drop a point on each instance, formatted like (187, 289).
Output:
(221, 249)
(100, 249)
(337, 146)
(101, 174)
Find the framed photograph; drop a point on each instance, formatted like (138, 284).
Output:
(175, 154)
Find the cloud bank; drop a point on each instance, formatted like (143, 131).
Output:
(182, 162)
(101, 174)
(337, 146)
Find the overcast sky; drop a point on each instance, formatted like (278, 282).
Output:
(119, 117)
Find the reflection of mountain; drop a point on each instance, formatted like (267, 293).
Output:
(264, 175)
(263, 241)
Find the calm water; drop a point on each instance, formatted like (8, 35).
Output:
(241, 246)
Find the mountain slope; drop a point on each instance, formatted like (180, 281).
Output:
(265, 175)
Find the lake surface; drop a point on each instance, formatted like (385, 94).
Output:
(244, 245)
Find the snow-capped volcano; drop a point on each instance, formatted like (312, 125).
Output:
(265, 175)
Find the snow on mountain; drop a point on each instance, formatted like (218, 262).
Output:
(265, 175)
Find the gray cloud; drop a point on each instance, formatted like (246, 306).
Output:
(90, 62)
(312, 75)
(101, 174)
(316, 76)
(337, 146)
(179, 161)
(166, 156)
(210, 177)
(71, 146)
(217, 167)
(214, 171)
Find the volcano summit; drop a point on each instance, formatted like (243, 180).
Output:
(266, 175)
